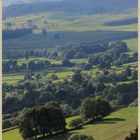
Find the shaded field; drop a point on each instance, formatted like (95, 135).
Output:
(122, 22)
(39, 41)
(116, 126)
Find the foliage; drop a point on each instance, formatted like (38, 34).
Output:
(133, 135)
(80, 137)
(95, 108)
(41, 120)
(75, 123)
(10, 34)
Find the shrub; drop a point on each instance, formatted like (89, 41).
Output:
(80, 137)
(75, 123)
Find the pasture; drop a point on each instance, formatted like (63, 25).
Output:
(12, 78)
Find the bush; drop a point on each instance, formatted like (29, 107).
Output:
(75, 123)
(80, 137)
(133, 135)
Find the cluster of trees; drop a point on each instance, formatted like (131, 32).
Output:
(28, 93)
(116, 55)
(80, 50)
(42, 120)
(17, 54)
(13, 66)
(111, 77)
(48, 119)
(103, 56)
(32, 65)
(12, 34)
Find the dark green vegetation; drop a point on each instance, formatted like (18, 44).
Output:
(10, 34)
(71, 55)
(49, 119)
(133, 135)
(42, 120)
(122, 22)
(80, 137)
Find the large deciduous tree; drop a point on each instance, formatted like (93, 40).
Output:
(41, 120)
(95, 108)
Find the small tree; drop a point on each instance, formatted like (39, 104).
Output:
(8, 25)
(66, 63)
(77, 77)
(133, 135)
(75, 123)
(44, 32)
(128, 72)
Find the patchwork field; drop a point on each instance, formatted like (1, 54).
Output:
(70, 28)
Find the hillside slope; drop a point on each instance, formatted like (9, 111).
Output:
(116, 127)
(80, 6)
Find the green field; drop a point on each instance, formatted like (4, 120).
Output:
(115, 127)
(16, 77)
(60, 21)
(132, 44)
(12, 78)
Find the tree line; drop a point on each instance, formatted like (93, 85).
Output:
(12, 34)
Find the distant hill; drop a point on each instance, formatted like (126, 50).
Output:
(80, 6)
(12, 2)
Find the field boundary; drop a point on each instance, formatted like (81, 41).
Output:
(8, 129)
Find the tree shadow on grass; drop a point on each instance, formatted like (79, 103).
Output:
(109, 121)
(58, 137)
(65, 136)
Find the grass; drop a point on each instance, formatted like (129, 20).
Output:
(132, 44)
(64, 74)
(12, 78)
(115, 127)
(38, 41)
(20, 61)
(60, 21)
